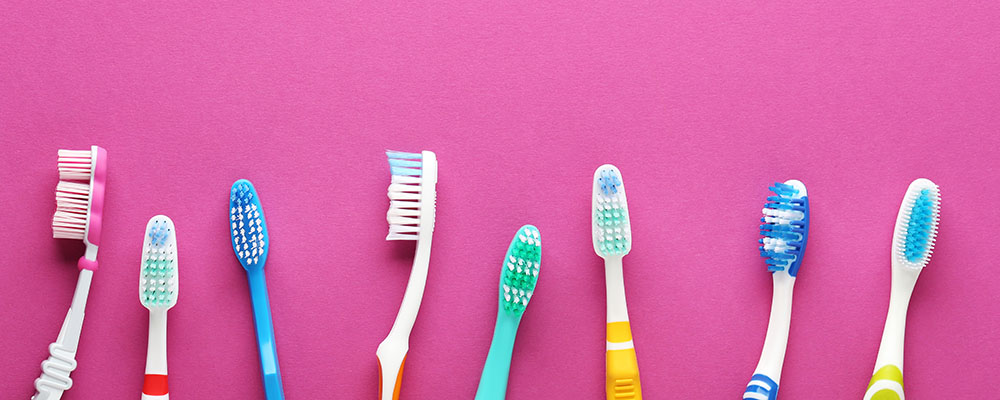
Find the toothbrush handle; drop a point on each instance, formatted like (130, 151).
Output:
(154, 385)
(265, 335)
(496, 370)
(55, 379)
(390, 364)
(766, 377)
(887, 380)
(622, 366)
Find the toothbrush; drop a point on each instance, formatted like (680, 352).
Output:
(250, 242)
(518, 276)
(410, 217)
(912, 245)
(158, 293)
(612, 241)
(79, 207)
(785, 228)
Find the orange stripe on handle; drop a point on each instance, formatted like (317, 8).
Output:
(399, 380)
(155, 385)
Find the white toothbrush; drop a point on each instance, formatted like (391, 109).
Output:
(158, 293)
(411, 217)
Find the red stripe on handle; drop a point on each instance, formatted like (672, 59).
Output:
(155, 385)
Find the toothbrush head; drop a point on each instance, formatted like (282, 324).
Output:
(80, 195)
(247, 226)
(158, 272)
(411, 194)
(785, 226)
(917, 225)
(611, 229)
(520, 270)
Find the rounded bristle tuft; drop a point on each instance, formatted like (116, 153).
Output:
(520, 270)
(785, 227)
(158, 274)
(247, 226)
(611, 228)
(917, 224)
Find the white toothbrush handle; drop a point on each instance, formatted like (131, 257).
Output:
(888, 374)
(767, 375)
(392, 351)
(155, 383)
(55, 379)
(621, 365)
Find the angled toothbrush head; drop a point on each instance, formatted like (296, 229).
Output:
(785, 227)
(611, 229)
(412, 193)
(520, 270)
(158, 272)
(247, 226)
(916, 225)
(80, 199)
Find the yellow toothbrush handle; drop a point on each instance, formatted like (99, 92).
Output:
(622, 366)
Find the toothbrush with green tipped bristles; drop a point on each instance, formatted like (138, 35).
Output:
(518, 277)
(158, 293)
(612, 241)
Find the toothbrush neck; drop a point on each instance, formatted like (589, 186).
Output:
(772, 356)
(891, 347)
(615, 280)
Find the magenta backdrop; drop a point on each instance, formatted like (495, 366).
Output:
(700, 105)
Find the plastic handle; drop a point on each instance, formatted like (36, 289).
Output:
(265, 335)
(496, 370)
(622, 365)
(55, 379)
(766, 377)
(154, 384)
(389, 389)
(886, 384)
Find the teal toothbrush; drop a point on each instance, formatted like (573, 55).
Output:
(517, 283)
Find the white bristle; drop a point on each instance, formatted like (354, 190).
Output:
(72, 198)
(75, 165)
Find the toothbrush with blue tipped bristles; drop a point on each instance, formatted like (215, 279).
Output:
(158, 293)
(912, 245)
(250, 242)
(412, 193)
(785, 226)
(612, 241)
(518, 276)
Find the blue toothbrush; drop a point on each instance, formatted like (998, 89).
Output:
(249, 233)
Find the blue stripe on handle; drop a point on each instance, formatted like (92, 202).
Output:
(761, 384)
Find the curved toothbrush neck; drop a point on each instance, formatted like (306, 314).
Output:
(772, 356)
(891, 347)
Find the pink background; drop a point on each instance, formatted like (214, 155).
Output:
(700, 105)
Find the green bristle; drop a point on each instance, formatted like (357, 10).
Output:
(158, 277)
(520, 270)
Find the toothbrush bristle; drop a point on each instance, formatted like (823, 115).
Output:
(158, 274)
(72, 198)
(520, 270)
(917, 225)
(404, 195)
(247, 225)
(785, 226)
(611, 228)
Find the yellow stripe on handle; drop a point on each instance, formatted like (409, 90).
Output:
(886, 391)
(622, 367)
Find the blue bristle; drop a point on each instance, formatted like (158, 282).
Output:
(793, 234)
(405, 164)
(918, 230)
(610, 182)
